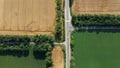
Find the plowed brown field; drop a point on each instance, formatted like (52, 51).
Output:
(27, 17)
(58, 57)
(96, 6)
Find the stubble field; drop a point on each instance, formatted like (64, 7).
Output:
(96, 7)
(29, 17)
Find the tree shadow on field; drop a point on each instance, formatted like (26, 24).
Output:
(39, 55)
(18, 53)
(71, 3)
(100, 30)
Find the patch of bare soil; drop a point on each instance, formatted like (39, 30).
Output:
(58, 57)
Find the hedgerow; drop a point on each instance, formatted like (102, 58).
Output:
(20, 45)
(59, 21)
(93, 20)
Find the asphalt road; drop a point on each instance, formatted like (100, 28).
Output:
(69, 28)
(67, 33)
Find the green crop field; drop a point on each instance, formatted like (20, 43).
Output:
(21, 62)
(97, 49)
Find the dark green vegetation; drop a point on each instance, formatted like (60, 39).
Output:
(26, 51)
(71, 2)
(59, 35)
(93, 20)
(72, 61)
(96, 49)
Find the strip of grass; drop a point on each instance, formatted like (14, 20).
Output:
(96, 49)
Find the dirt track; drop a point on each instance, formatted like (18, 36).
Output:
(27, 16)
(58, 57)
(96, 6)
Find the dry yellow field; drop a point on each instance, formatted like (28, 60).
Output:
(96, 7)
(58, 57)
(27, 17)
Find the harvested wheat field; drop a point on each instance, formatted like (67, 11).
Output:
(58, 57)
(96, 7)
(27, 17)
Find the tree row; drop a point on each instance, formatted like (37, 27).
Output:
(95, 20)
